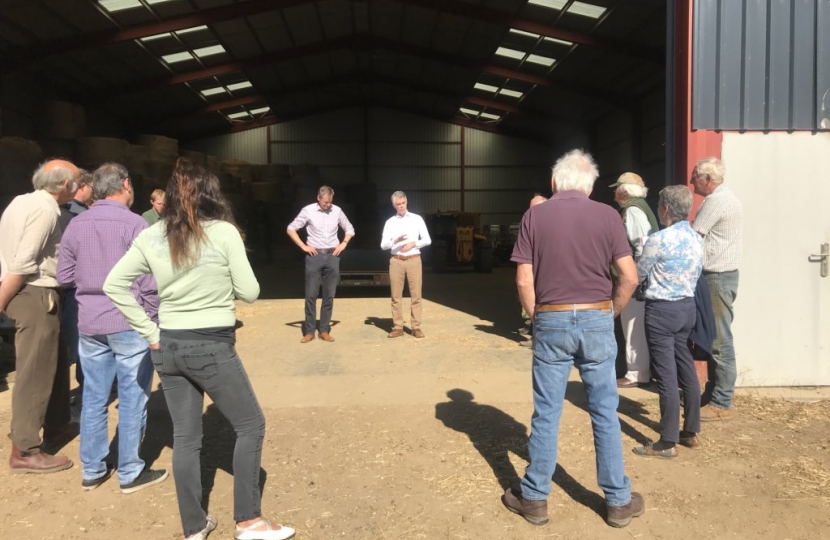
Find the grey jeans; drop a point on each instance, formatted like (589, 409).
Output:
(188, 369)
(322, 269)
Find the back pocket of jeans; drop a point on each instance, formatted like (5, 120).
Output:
(157, 358)
(599, 344)
(200, 365)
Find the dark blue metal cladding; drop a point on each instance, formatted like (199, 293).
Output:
(761, 64)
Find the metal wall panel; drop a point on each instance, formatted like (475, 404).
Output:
(497, 202)
(318, 152)
(250, 146)
(414, 155)
(342, 125)
(760, 64)
(427, 202)
(525, 179)
(823, 66)
(389, 179)
(389, 125)
(485, 148)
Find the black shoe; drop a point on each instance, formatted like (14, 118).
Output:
(89, 485)
(147, 478)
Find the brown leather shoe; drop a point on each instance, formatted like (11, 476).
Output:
(36, 463)
(418, 333)
(620, 516)
(622, 382)
(307, 338)
(325, 336)
(690, 441)
(396, 332)
(535, 512)
(710, 413)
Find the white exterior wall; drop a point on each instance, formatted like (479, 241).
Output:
(782, 312)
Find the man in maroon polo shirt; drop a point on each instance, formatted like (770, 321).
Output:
(564, 252)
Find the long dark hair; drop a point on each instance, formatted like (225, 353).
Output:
(193, 195)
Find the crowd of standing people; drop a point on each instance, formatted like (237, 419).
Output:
(129, 296)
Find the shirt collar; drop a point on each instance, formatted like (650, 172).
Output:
(569, 194)
(397, 215)
(48, 196)
(110, 202)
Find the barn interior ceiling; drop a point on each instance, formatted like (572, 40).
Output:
(192, 68)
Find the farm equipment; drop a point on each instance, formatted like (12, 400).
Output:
(456, 244)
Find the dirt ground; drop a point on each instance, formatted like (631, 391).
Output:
(371, 438)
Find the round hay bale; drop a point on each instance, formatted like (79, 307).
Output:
(58, 149)
(273, 172)
(199, 158)
(136, 158)
(60, 120)
(161, 148)
(241, 169)
(93, 151)
(19, 158)
(266, 191)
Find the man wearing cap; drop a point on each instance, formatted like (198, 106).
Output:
(405, 234)
(719, 221)
(630, 194)
(322, 220)
(564, 254)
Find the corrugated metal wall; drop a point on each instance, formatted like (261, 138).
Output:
(761, 65)
(250, 146)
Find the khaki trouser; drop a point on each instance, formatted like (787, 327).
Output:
(40, 398)
(410, 270)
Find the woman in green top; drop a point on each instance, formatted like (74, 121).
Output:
(198, 259)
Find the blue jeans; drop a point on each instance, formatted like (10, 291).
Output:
(561, 340)
(189, 369)
(723, 289)
(123, 356)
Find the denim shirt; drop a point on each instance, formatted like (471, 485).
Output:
(672, 259)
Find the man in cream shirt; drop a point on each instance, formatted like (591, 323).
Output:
(405, 234)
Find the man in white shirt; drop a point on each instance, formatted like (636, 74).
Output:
(405, 234)
(719, 221)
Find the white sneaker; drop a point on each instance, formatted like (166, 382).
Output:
(210, 524)
(269, 533)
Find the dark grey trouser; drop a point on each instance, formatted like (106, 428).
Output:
(40, 398)
(668, 325)
(189, 369)
(323, 268)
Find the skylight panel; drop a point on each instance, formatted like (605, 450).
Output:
(541, 60)
(552, 4)
(209, 51)
(586, 10)
(119, 5)
(213, 91)
(471, 112)
(559, 41)
(490, 116)
(510, 53)
(261, 110)
(193, 29)
(153, 2)
(486, 87)
(510, 93)
(523, 33)
(177, 57)
(237, 115)
(157, 36)
(239, 86)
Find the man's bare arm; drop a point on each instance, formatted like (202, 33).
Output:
(524, 284)
(10, 286)
(625, 284)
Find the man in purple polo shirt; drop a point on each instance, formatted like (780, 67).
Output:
(322, 262)
(564, 252)
(109, 348)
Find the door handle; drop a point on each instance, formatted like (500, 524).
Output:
(823, 258)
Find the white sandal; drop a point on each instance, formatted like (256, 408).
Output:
(250, 532)
(210, 524)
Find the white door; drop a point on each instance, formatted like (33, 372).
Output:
(782, 313)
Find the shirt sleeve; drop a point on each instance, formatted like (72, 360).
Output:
(423, 235)
(39, 226)
(117, 287)
(386, 240)
(523, 250)
(707, 216)
(619, 241)
(345, 224)
(67, 260)
(650, 256)
(245, 284)
(300, 221)
(636, 227)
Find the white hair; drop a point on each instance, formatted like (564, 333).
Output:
(633, 191)
(51, 179)
(575, 170)
(711, 167)
(398, 195)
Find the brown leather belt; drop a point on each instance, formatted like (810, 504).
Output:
(402, 258)
(325, 250)
(599, 306)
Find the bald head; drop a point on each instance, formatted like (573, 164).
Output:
(538, 199)
(58, 177)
